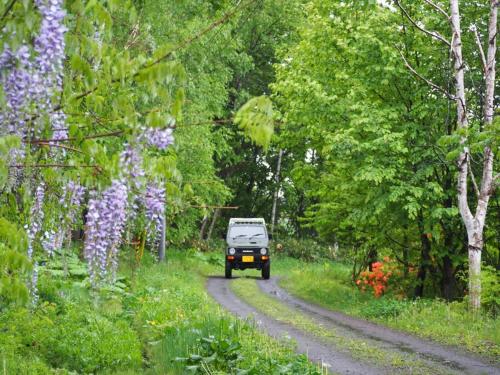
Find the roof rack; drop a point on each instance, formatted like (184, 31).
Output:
(236, 220)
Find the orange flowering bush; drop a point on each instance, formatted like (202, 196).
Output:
(378, 278)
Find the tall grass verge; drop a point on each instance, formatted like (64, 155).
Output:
(329, 284)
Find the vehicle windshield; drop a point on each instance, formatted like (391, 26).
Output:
(246, 231)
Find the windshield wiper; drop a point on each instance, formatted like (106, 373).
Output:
(256, 234)
(239, 235)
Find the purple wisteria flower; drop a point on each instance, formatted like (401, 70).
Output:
(17, 82)
(31, 83)
(52, 241)
(158, 137)
(33, 285)
(154, 203)
(131, 166)
(106, 218)
(36, 217)
(49, 44)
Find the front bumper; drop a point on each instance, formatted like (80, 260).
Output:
(237, 261)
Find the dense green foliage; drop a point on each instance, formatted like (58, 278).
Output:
(372, 147)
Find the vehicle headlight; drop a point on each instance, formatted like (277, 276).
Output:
(232, 251)
(263, 251)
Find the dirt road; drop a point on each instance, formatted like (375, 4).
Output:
(436, 358)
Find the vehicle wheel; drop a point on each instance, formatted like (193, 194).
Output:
(266, 270)
(229, 270)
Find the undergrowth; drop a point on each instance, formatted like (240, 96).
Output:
(157, 320)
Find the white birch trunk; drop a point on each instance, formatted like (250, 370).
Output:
(474, 224)
(276, 193)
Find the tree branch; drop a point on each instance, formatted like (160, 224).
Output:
(441, 10)
(121, 132)
(98, 168)
(216, 207)
(430, 83)
(436, 35)
(50, 141)
(480, 47)
(7, 10)
(50, 144)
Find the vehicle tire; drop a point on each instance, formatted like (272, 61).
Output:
(229, 270)
(266, 270)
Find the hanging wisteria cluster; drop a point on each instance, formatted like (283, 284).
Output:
(158, 137)
(31, 83)
(109, 211)
(154, 204)
(49, 46)
(70, 202)
(106, 218)
(131, 166)
(36, 217)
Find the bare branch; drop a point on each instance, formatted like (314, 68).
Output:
(436, 35)
(19, 166)
(217, 207)
(480, 47)
(51, 144)
(430, 83)
(50, 141)
(441, 10)
(489, 72)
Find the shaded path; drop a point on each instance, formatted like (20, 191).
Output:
(315, 350)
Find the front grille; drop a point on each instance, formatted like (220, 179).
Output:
(245, 251)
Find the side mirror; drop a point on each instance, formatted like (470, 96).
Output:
(270, 236)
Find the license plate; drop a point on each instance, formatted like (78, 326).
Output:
(247, 258)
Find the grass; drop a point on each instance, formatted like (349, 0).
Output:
(247, 289)
(176, 314)
(328, 284)
(161, 321)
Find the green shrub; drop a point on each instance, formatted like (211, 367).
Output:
(305, 249)
(85, 341)
(490, 289)
(384, 308)
(76, 338)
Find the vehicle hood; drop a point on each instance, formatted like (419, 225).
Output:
(246, 242)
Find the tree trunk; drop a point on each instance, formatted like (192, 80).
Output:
(406, 256)
(425, 259)
(372, 258)
(203, 227)
(212, 224)
(276, 193)
(448, 282)
(474, 224)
